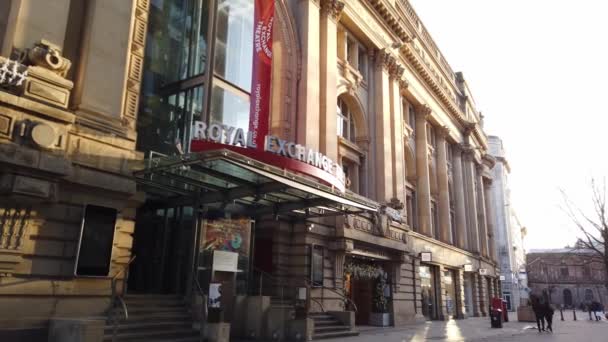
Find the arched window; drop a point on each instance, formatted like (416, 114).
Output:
(346, 123)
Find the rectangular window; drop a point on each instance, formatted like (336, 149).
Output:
(316, 263)
(586, 271)
(351, 51)
(564, 271)
(362, 67)
(410, 202)
(94, 252)
(411, 117)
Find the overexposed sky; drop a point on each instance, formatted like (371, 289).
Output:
(538, 70)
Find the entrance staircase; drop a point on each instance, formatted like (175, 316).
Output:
(152, 318)
(327, 326)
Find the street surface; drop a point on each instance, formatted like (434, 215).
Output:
(478, 329)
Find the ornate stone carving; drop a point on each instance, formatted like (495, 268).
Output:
(48, 56)
(443, 131)
(403, 84)
(382, 59)
(12, 73)
(423, 112)
(136, 61)
(395, 69)
(13, 226)
(332, 8)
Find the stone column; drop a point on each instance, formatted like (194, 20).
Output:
(383, 148)
(330, 14)
(38, 20)
(476, 295)
(469, 179)
(396, 71)
(459, 201)
(442, 310)
(100, 97)
(481, 218)
(307, 20)
(483, 295)
(423, 189)
(491, 219)
(339, 269)
(459, 300)
(445, 233)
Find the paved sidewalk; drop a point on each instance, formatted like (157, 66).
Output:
(478, 329)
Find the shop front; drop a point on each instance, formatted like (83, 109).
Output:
(429, 285)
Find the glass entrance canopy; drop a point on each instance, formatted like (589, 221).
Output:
(228, 181)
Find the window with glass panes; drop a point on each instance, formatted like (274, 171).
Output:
(198, 65)
(345, 124)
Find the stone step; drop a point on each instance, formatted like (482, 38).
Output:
(130, 326)
(171, 335)
(158, 316)
(327, 322)
(336, 334)
(331, 328)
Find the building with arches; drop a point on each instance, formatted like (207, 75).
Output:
(573, 277)
(139, 202)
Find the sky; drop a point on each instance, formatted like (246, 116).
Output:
(538, 70)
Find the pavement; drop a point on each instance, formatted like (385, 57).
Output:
(478, 329)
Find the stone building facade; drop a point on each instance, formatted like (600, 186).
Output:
(103, 118)
(510, 233)
(572, 277)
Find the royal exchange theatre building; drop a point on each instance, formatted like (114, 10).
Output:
(140, 199)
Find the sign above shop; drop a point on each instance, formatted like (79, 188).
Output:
(274, 151)
(225, 261)
(468, 268)
(502, 278)
(426, 256)
(483, 271)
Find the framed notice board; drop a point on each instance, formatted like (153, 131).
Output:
(94, 253)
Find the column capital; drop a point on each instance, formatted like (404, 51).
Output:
(332, 8)
(469, 127)
(403, 84)
(442, 131)
(423, 112)
(383, 59)
(395, 69)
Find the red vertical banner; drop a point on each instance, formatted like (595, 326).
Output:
(259, 113)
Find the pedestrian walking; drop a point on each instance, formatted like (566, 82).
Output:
(596, 307)
(548, 312)
(538, 312)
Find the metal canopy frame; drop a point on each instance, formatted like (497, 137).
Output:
(228, 181)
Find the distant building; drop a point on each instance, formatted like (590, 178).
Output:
(573, 277)
(509, 233)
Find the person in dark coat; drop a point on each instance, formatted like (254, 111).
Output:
(548, 312)
(537, 307)
(596, 307)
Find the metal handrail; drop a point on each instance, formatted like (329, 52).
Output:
(344, 297)
(118, 298)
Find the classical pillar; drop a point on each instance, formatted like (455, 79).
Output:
(491, 219)
(483, 295)
(38, 20)
(398, 157)
(469, 179)
(339, 269)
(423, 189)
(307, 19)
(383, 146)
(476, 295)
(459, 300)
(445, 233)
(459, 200)
(330, 14)
(442, 310)
(481, 219)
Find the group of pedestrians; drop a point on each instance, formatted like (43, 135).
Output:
(543, 311)
(596, 308)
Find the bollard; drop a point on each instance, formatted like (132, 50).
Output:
(574, 314)
(561, 313)
(591, 319)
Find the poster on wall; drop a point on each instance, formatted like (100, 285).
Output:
(232, 235)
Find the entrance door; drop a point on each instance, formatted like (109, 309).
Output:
(163, 243)
(568, 298)
(428, 292)
(362, 295)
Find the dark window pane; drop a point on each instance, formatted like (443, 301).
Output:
(317, 265)
(234, 42)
